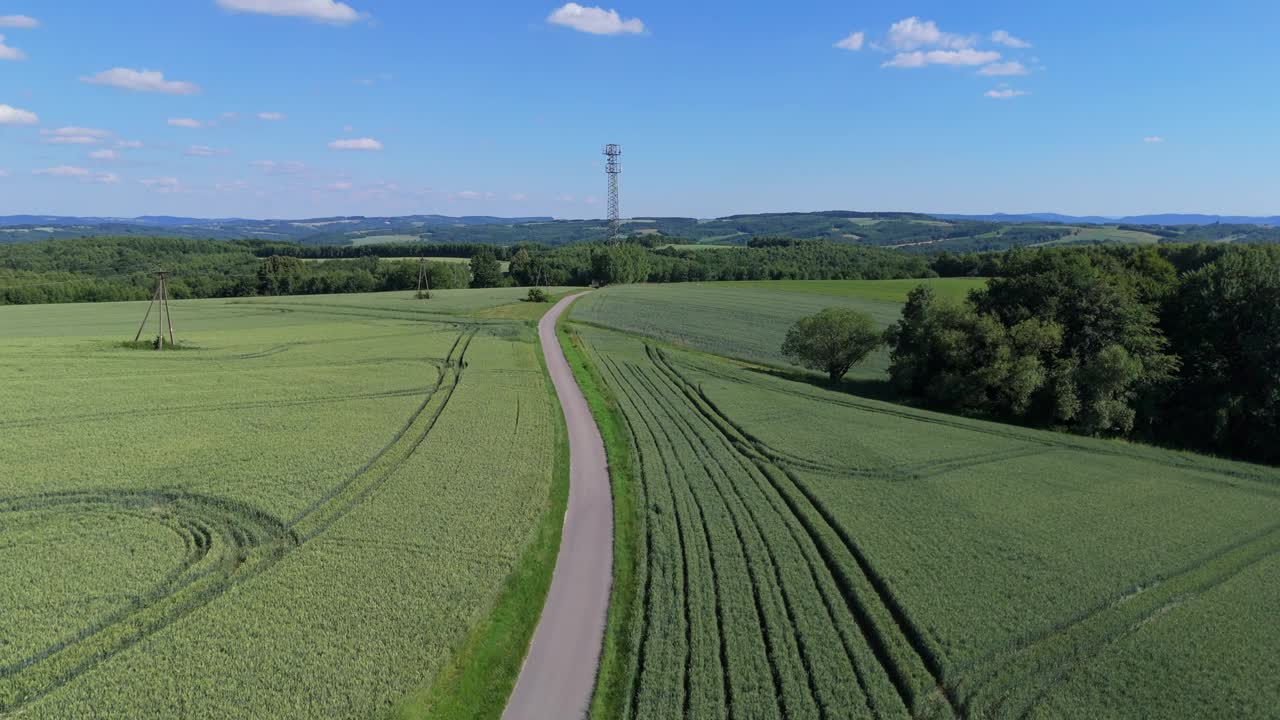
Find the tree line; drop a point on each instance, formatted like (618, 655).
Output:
(1178, 347)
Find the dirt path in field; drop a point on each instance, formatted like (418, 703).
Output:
(560, 671)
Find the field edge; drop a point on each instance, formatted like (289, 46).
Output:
(476, 682)
(609, 696)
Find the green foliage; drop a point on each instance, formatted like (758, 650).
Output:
(538, 295)
(955, 357)
(117, 269)
(1224, 323)
(832, 341)
(621, 264)
(1061, 337)
(485, 270)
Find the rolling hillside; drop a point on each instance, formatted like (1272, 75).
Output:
(910, 232)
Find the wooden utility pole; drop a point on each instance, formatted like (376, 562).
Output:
(161, 296)
(424, 279)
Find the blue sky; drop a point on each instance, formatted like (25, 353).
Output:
(299, 108)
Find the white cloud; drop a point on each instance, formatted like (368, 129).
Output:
(75, 136)
(164, 184)
(966, 56)
(13, 116)
(472, 195)
(63, 171)
(23, 22)
(1002, 37)
(74, 131)
(271, 116)
(913, 33)
(104, 155)
(1005, 94)
(367, 144)
(10, 53)
(141, 81)
(326, 11)
(567, 198)
(594, 20)
(1013, 67)
(853, 41)
(71, 140)
(339, 186)
(1153, 139)
(189, 123)
(288, 167)
(81, 174)
(130, 144)
(203, 151)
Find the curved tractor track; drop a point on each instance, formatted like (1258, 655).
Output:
(765, 491)
(226, 543)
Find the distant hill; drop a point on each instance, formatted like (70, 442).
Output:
(1169, 219)
(912, 232)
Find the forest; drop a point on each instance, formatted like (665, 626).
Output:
(1178, 346)
(115, 269)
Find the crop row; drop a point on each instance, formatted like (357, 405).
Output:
(753, 606)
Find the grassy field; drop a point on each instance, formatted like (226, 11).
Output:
(809, 553)
(503, 264)
(748, 320)
(1109, 234)
(306, 514)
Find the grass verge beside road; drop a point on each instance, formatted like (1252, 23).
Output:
(611, 691)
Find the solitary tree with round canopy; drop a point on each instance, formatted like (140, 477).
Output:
(832, 341)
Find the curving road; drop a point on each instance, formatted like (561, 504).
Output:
(560, 670)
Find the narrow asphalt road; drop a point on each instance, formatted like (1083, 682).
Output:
(560, 670)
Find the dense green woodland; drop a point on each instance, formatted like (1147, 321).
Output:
(112, 269)
(1179, 346)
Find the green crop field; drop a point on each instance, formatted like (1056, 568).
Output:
(748, 320)
(784, 558)
(384, 239)
(1108, 234)
(805, 553)
(303, 514)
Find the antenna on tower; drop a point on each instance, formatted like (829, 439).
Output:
(613, 168)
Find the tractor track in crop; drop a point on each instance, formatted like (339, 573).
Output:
(877, 635)
(769, 514)
(212, 407)
(747, 519)
(1013, 685)
(226, 544)
(1011, 682)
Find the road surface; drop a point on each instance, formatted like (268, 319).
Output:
(560, 670)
